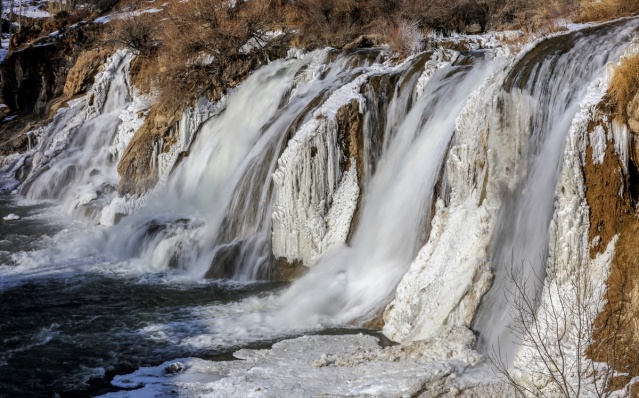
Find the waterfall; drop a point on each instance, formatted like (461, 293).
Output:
(74, 163)
(355, 282)
(407, 191)
(551, 80)
(213, 216)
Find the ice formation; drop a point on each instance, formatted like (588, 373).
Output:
(314, 201)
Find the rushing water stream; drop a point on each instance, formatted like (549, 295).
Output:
(272, 177)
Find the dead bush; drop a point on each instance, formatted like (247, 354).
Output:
(139, 32)
(406, 37)
(336, 23)
(448, 15)
(209, 46)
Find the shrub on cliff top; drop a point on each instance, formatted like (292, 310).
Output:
(140, 33)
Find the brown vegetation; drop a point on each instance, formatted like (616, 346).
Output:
(201, 43)
(624, 88)
(140, 33)
(205, 47)
(602, 10)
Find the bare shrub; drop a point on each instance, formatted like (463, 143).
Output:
(332, 22)
(209, 46)
(557, 335)
(405, 37)
(139, 32)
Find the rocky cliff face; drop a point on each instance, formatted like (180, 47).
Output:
(138, 167)
(611, 174)
(633, 114)
(34, 75)
(34, 84)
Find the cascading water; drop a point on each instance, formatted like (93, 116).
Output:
(73, 164)
(354, 282)
(213, 216)
(550, 81)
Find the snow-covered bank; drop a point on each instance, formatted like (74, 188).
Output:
(313, 366)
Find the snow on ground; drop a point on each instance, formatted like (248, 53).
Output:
(30, 8)
(313, 366)
(126, 15)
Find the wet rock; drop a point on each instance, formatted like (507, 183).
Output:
(351, 140)
(225, 261)
(17, 144)
(137, 168)
(288, 270)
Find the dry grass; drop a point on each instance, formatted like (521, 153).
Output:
(197, 45)
(602, 10)
(623, 87)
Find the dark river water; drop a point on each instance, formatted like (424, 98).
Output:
(69, 324)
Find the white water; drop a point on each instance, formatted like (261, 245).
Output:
(354, 282)
(73, 164)
(217, 202)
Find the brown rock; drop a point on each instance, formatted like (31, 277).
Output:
(81, 74)
(360, 42)
(350, 124)
(288, 271)
(473, 29)
(604, 182)
(34, 76)
(612, 196)
(137, 167)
